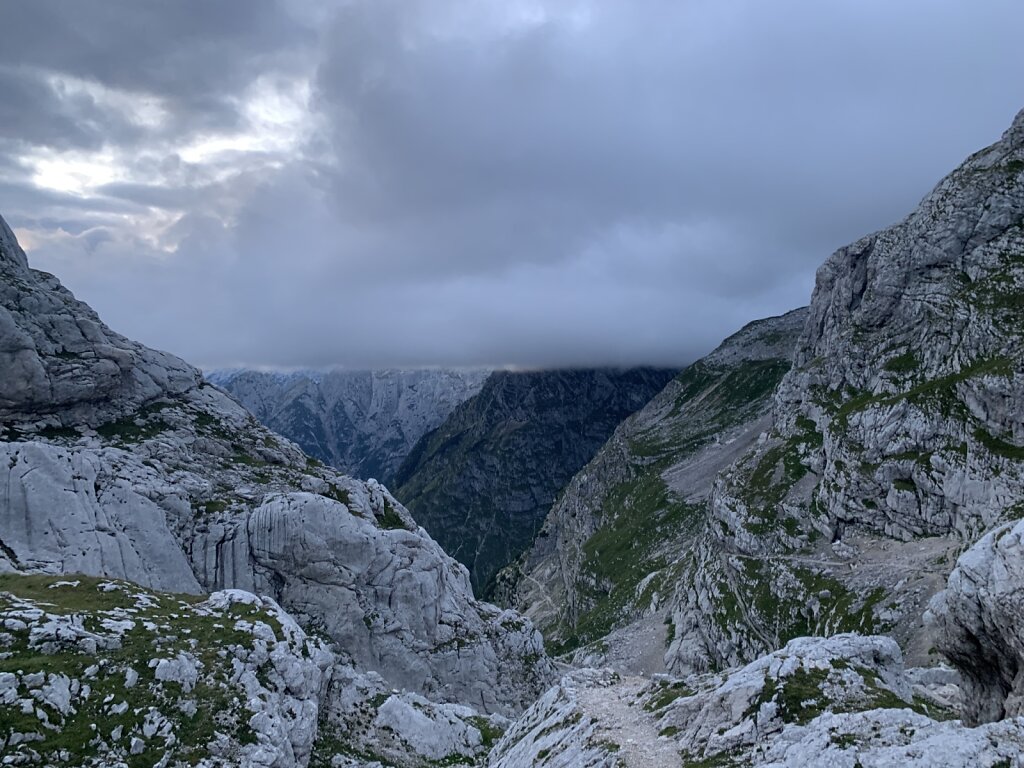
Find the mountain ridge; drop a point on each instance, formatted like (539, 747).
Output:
(481, 481)
(361, 422)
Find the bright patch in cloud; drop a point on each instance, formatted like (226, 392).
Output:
(75, 173)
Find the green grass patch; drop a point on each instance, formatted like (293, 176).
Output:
(999, 447)
(939, 392)
(905, 363)
(390, 519)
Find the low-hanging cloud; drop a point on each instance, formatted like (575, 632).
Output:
(455, 182)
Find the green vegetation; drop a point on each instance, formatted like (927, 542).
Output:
(719, 760)
(940, 392)
(728, 388)
(489, 732)
(216, 506)
(639, 516)
(666, 694)
(786, 602)
(390, 519)
(999, 447)
(128, 431)
(905, 363)
(58, 433)
(339, 494)
(769, 481)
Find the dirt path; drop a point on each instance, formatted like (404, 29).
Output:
(623, 721)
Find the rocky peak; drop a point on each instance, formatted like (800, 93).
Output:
(61, 365)
(889, 282)
(896, 436)
(12, 258)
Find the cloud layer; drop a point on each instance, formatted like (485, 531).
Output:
(459, 182)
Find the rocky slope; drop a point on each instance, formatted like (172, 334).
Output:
(482, 482)
(846, 700)
(839, 504)
(121, 462)
(363, 423)
(610, 549)
(98, 673)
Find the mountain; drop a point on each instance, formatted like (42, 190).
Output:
(482, 482)
(754, 562)
(123, 464)
(362, 422)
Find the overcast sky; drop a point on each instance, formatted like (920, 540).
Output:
(458, 182)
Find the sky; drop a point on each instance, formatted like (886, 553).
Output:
(400, 183)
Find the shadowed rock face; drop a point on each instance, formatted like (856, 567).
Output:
(122, 462)
(482, 482)
(978, 620)
(363, 423)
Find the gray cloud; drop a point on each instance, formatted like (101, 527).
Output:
(533, 183)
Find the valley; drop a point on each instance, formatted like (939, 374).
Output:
(802, 549)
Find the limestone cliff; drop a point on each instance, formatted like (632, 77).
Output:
(897, 435)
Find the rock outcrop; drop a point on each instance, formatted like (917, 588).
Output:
(483, 481)
(977, 621)
(98, 673)
(843, 701)
(145, 472)
(367, 723)
(59, 361)
(363, 423)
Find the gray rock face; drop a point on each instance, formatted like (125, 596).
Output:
(483, 481)
(895, 439)
(157, 477)
(386, 727)
(911, 360)
(392, 601)
(362, 422)
(63, 511)
(978, 620)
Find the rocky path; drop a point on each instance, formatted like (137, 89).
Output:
(623, 721)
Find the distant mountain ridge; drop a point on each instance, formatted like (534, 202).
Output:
(362, 422)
